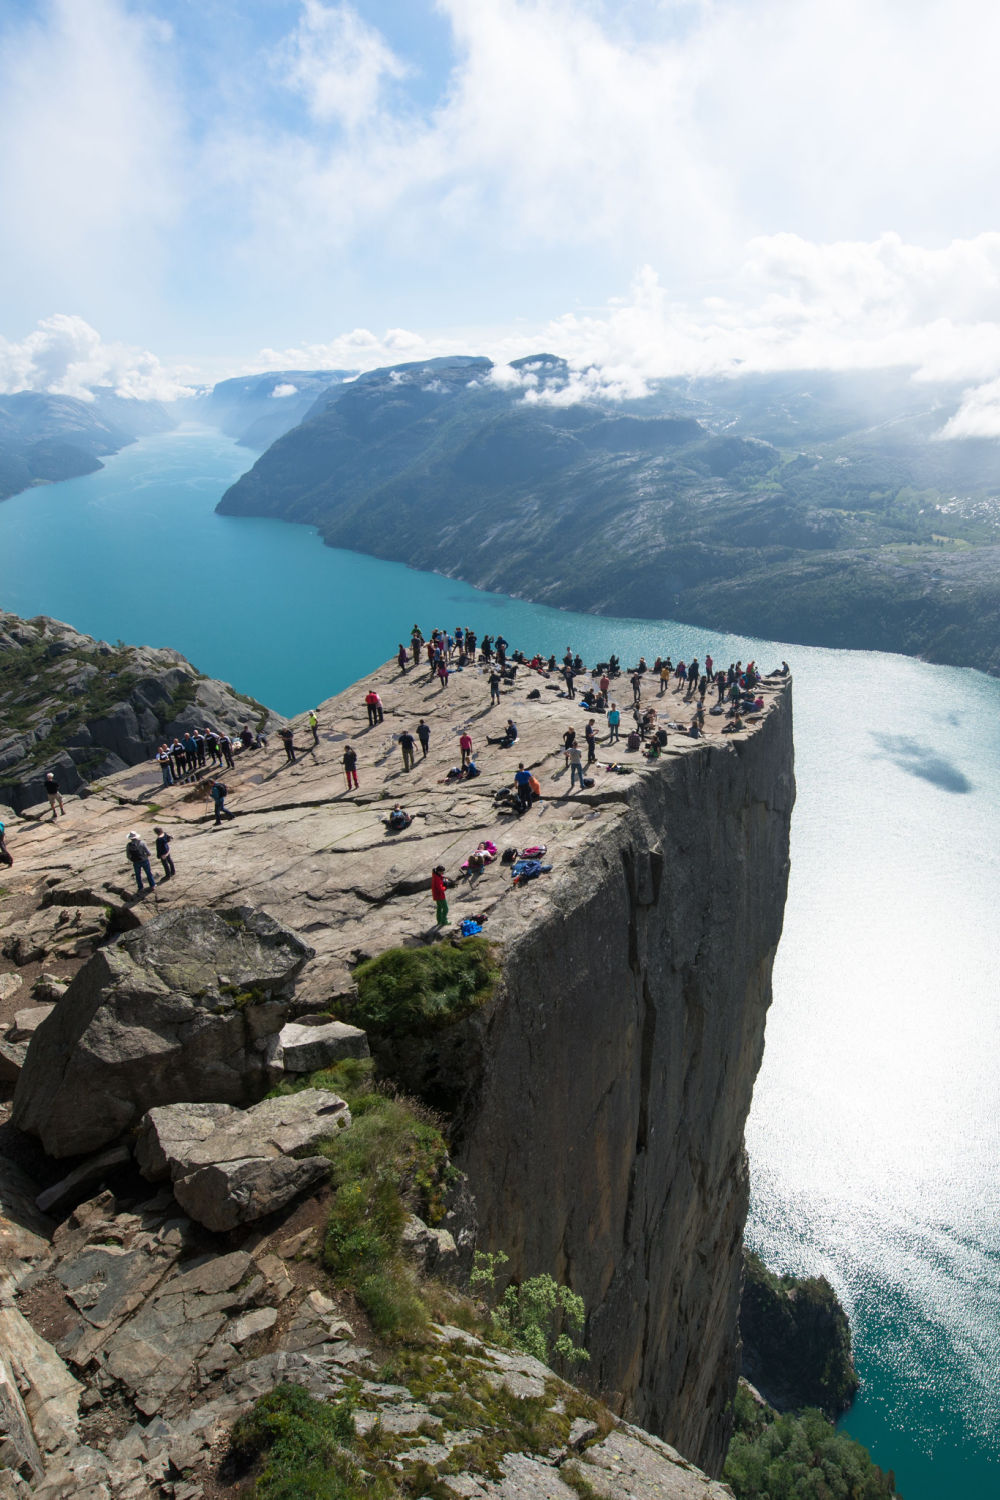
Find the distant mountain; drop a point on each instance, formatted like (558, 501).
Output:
(45, 438)
(809, 507)
(257, 409)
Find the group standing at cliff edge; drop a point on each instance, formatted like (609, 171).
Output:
(198, 754)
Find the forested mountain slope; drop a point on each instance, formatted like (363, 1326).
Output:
(812, 508)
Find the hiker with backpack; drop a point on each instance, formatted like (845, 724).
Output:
(407, 744)
(219, 793)
(137, 854)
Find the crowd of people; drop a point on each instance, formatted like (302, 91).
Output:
(198, 753)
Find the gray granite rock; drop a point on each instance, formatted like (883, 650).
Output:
(166, 1013)
(306, 1048)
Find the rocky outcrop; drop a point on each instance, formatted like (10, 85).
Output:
(599, 1097)
(156, 1342)
(85, 709)
(179, 1010)
(796, 1341)
(231, 1166)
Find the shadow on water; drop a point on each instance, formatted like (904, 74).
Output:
(921, 760)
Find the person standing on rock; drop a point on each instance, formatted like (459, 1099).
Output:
(349, 760)
(219, 791)
(465, 745)
(575, 755)
(590, 735)
(163, 761)
(138, 855)
(407, 744)
(614, 723)
(314, 726)
(53, 794)
(226, 746)
(401, 658)
(424, 736)
(163, 852)
(287, 738)
(439, 895)
(494, 687)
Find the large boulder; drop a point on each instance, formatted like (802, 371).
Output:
(231, 1166)
(180, 1009)
(305, 1049)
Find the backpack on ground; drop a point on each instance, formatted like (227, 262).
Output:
(508, 856)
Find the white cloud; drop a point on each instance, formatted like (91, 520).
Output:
(286, 388)
(66, 357)
(793, 305)
(339, 64)
(89, 139)
(978, 415)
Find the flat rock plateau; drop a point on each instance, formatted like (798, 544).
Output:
(595, 1104)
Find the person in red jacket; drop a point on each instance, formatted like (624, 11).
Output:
(439, 893)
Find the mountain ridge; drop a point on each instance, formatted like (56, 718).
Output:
(675, 504)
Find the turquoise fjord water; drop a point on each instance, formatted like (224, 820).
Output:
(875, 1132)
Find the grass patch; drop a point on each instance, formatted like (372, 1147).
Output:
(415, 991)
(393, 1161)
(304, 1447)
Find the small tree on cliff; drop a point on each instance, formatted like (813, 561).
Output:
(537, 1316)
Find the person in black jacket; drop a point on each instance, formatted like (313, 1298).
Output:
(163, 852)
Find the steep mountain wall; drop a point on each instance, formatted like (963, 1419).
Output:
(600, 1096)
(605, 1133)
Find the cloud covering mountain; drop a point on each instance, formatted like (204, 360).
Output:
(644, 187)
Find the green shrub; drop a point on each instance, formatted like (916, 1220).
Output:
(418, 990)
(798, 1457)
(537, 1316)
(303, 1443)
(393, 1161)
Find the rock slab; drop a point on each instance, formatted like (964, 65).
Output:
(230, 1166)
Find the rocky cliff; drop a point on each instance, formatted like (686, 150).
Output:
(84, 709)
(600, 1093)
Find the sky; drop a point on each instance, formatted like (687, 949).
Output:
(191, 189)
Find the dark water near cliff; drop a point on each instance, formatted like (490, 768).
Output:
(875, 1133)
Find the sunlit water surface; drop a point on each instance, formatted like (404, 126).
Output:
(874, 1135)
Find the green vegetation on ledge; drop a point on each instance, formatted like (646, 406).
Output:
(302, 1446)
(391, 1163)
(413, 991)
(801, 1457)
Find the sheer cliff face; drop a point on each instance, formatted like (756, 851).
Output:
(605, 1140)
